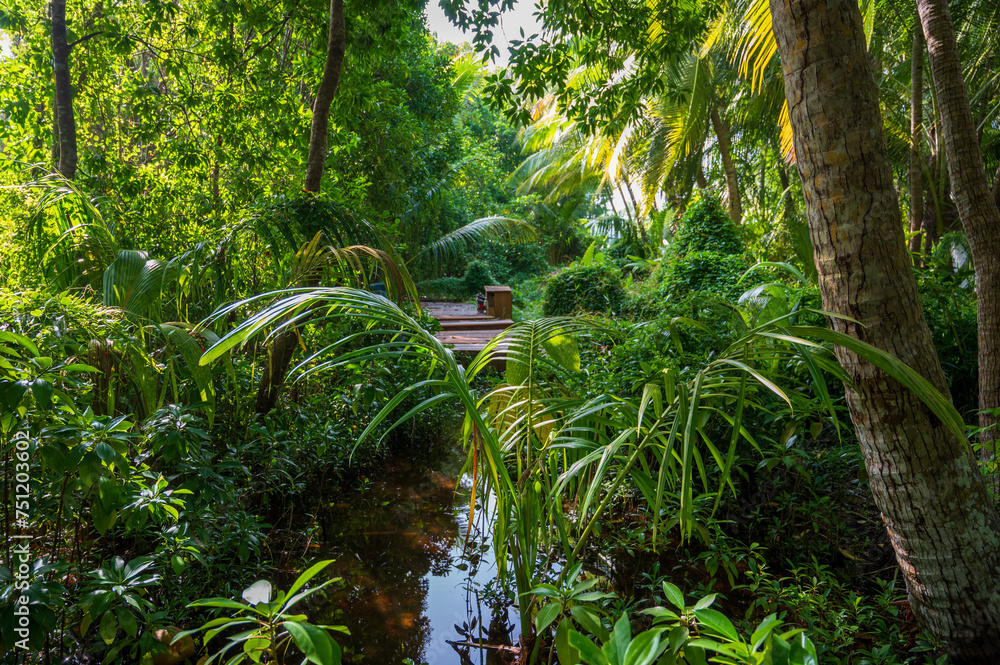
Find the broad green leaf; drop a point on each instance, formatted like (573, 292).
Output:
(644, 649)
(310, 573)
(564, 350)
(547, 615)
(765, 628)
(674, 595)
(717, 623)
(587, 618)
(568, 654)
(589, 653)
(315, 643)
(108, 627)
(42, 390)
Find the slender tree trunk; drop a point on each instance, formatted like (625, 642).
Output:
(726, 151)
(336, 49)
(283, 348)
(976, 207)
(638, 219)
(786, 187)
(916, 139)
(933, 500)
(63, 107)
(700, 179)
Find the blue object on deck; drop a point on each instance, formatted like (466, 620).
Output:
(379, 289)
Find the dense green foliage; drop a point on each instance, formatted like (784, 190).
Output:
(584, 288)
(687, 438)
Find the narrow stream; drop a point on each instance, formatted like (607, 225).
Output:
(412, 586)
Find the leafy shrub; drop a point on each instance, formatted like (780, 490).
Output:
(706, 271)
(477, 275)
(706, 227)
(592, 288)
(950, 309)
(445, 287)
(512, 264)
(627, 245)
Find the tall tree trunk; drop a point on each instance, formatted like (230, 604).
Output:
(933, 500)
(336, 49)
(976, 208)
(916, 139)
(726, 151)
(786, 187)
(63, 107)
(283, 348)
(638, 218)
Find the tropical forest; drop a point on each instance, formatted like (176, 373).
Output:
(500, 332)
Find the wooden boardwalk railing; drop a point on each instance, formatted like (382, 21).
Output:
(465, 329)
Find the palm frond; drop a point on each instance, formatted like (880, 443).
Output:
(507, 229)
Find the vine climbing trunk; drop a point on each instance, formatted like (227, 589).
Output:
(63, 103)
(916, 177)
(976, 207)
(726, 152)
(941, 522)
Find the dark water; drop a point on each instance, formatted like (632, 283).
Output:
(409, 575)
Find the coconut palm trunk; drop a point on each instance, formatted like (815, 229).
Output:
(976, 207)
(925, 481)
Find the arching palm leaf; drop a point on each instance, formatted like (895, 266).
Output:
(507, 229)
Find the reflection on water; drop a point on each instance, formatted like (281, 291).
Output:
(411, 585)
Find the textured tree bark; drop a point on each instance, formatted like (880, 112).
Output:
(933, 500)
(726, 152)
(64, 91)
(974, 199)
(279, 359)
(336, 49)
(916, 177)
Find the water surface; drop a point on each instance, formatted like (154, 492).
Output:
(411, 581)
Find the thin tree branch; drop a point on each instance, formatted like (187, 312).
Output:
(85, 38)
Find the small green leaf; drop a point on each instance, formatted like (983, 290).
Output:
(85, 623)
(42, 390)
(108, 627)
(589, 652)
(547, 615)
(256, 647)
(674, 595)
(127, 621)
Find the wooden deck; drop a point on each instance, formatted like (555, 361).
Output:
(466, 330)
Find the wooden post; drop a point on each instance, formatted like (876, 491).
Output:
(499, 302)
